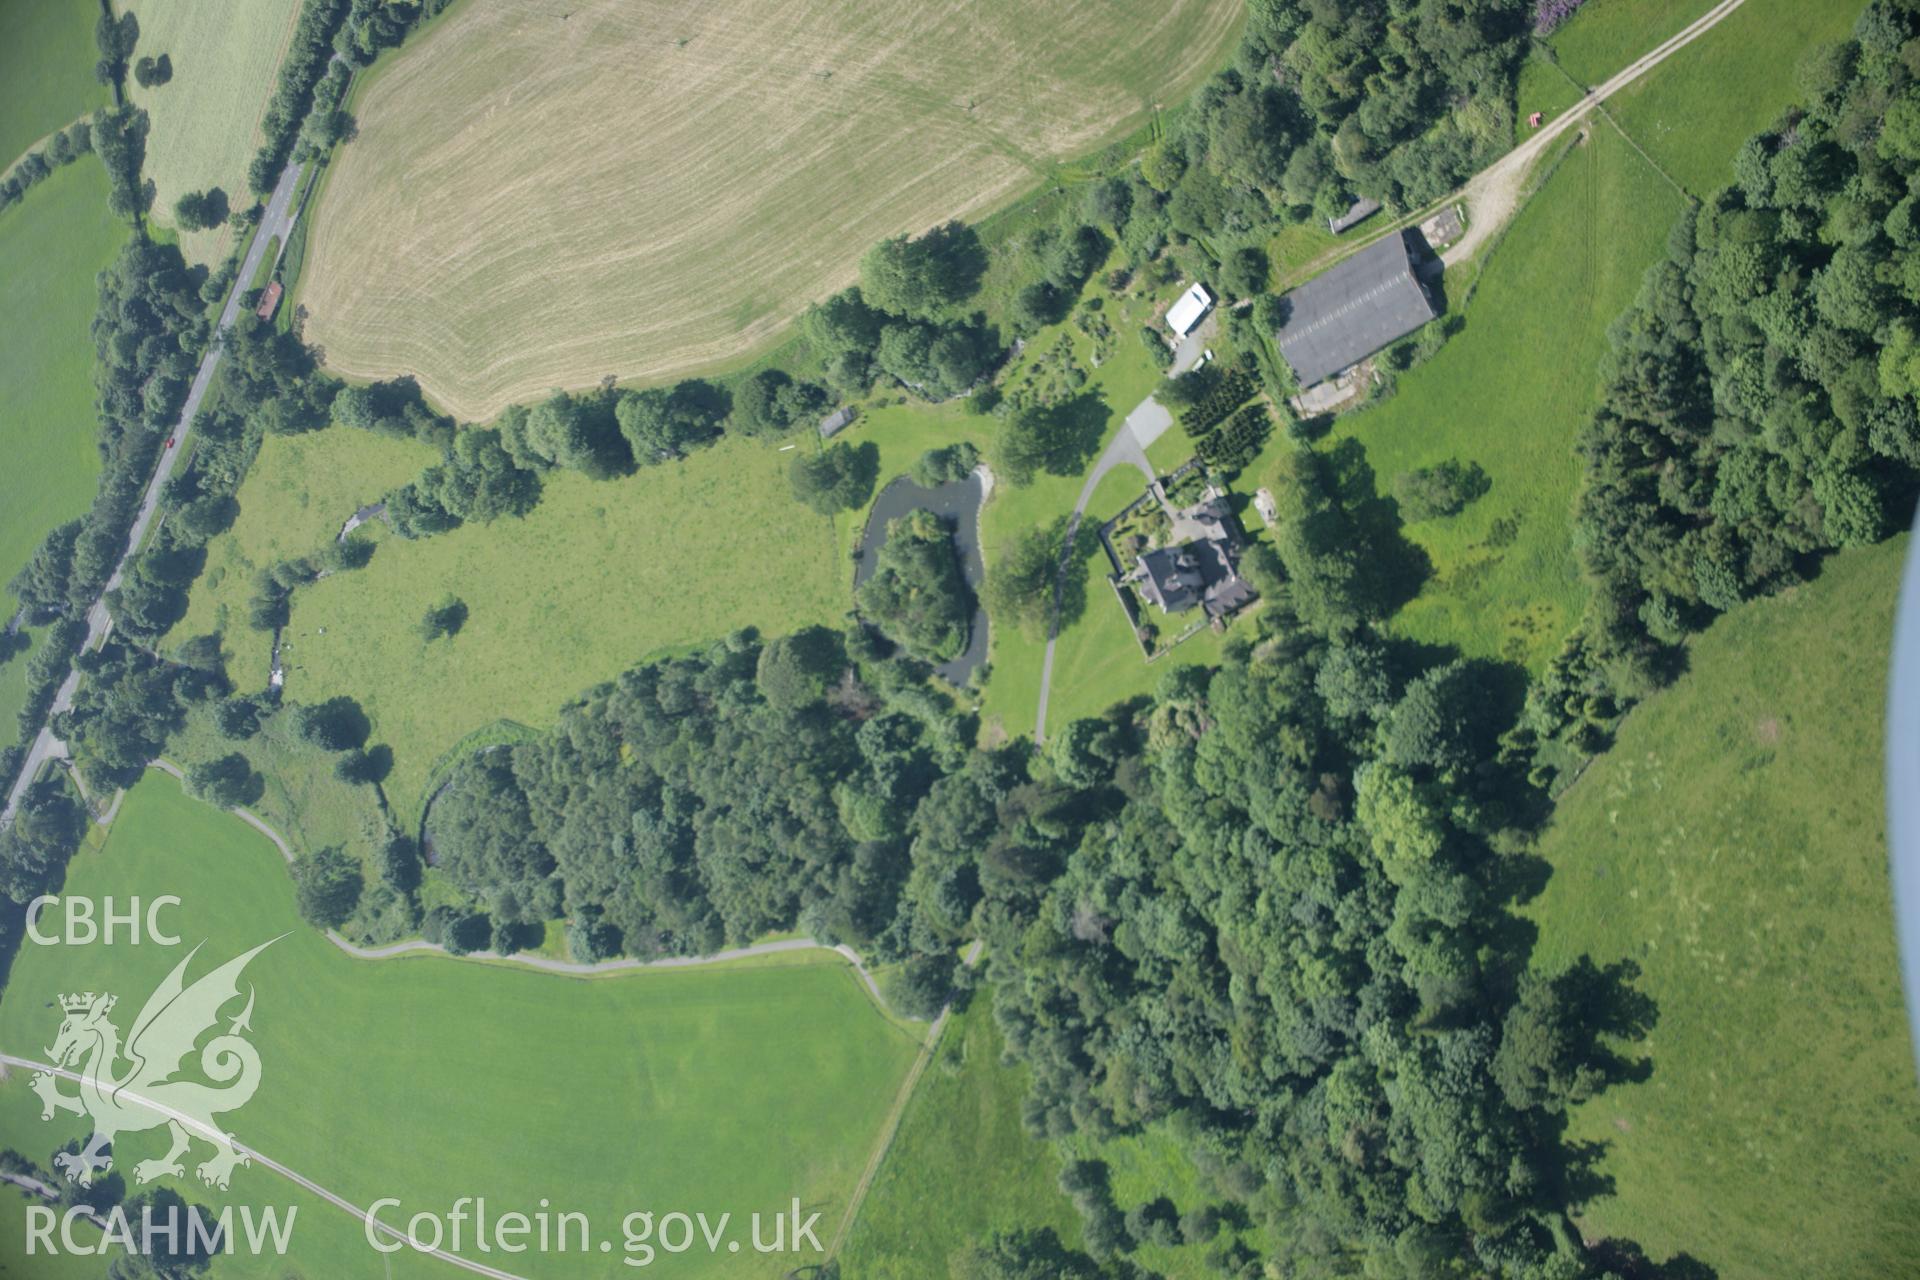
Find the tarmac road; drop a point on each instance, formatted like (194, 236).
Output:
(275, 223)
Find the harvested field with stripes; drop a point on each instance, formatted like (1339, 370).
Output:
(547, 193)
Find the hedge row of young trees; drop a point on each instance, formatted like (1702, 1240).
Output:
(63, 148)
(1759, 406)
(301, 68)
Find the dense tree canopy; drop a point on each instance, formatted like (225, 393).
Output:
(1759, 406)
(916, 594)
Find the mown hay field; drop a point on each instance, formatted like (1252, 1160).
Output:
(1733, 845)
(428, 1079)
(546, 193)
(205, 122)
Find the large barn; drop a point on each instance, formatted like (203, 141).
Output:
(1341, 317)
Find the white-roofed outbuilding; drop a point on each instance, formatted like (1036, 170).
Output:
(1192, 307)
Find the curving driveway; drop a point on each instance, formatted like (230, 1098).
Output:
(1138, 430)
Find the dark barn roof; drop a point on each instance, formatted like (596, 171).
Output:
(1345, 315)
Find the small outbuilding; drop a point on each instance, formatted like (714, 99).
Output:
(269, 301)
(1184, 315)
(1359, 211)
(836, 422)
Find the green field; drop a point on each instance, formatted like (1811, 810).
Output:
(46, 70)
(51, 248)
(206, 120)
(1604, 36)
(1732, 844)
(960, 1167)
(298, 493)
(717, 1089)
(1694, 110)
(599, 575)
(13, 682)
(1510, 392)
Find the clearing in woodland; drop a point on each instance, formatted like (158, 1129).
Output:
(596, 577)
(546, 193)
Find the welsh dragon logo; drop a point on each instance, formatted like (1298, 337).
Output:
(146, 1093)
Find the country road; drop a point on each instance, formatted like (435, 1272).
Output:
(1492, 197)
(275, 223)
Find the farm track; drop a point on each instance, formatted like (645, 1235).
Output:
(1493, 197)
(545, 964)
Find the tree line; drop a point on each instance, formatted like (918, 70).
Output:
(63, 148)
(1759, 402)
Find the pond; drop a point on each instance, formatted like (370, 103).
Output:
(957, 502)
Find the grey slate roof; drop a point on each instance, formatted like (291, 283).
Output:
(1348, 313)
(1170, 577)
(1359, 211)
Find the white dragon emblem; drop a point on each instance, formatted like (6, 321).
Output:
(147, 1094)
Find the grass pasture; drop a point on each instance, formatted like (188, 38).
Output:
(1694, 110)
(51, 248)
(1732, 843)
(1510, 392)
(1604, 36)
(716, 1089)
(206, 120)
(298, 493)
(598, 576)
(46, 70)
(546, 193)
(961, 1166)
